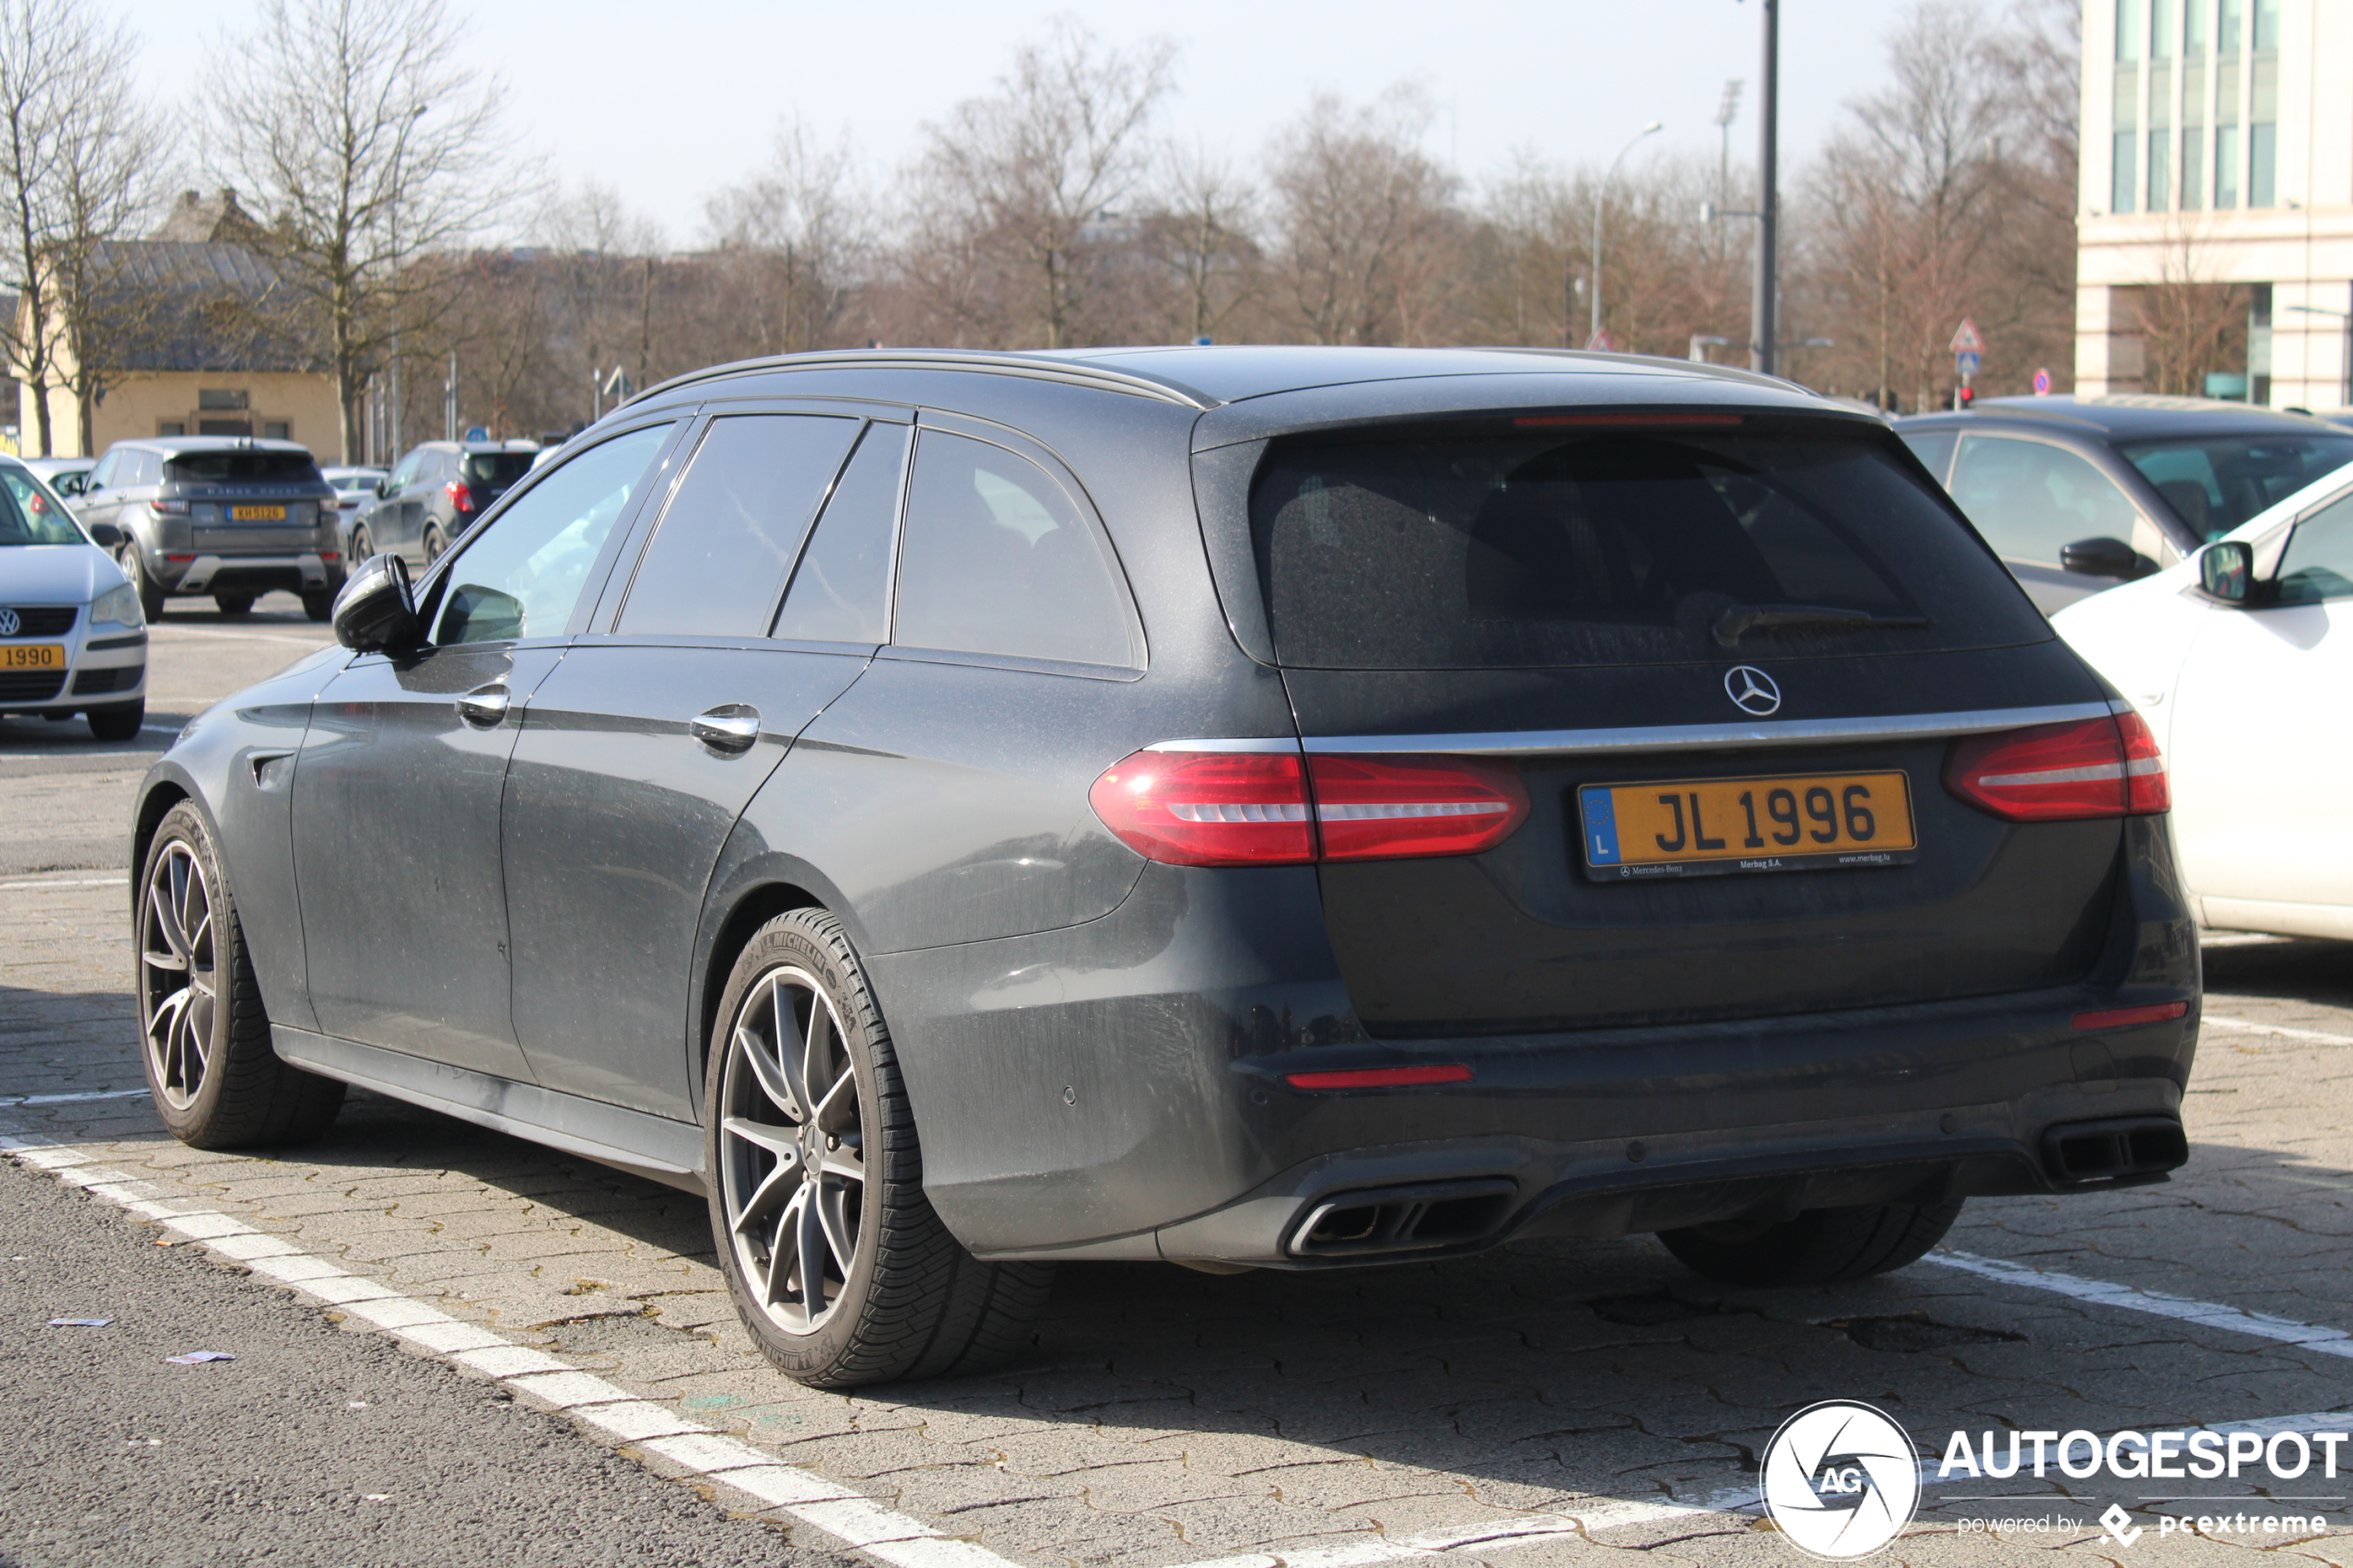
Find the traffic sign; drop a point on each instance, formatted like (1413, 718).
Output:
(1966, 362)
(2041, 383)
(1966, 340)
(476, 433)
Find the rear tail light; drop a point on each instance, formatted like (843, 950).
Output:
(1382, 1077)
(2054, 772)
(167, 505)
(461, 495)
(2126, 1018)
(1209, 807)
(1265, 809)
(1392, 807)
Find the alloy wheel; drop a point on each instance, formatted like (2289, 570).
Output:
(178, 976)
(792, 1149)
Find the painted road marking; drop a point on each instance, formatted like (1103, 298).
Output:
(2205, 1315)
(2248, 1026)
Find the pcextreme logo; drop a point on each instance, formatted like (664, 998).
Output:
(1841, 1479)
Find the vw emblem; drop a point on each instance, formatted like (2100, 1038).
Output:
(9, 625)
(1752, 690)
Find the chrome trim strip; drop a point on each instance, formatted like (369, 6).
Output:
(1267, 743)
(1692, 737)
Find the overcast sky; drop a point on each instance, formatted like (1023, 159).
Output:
(667, 100)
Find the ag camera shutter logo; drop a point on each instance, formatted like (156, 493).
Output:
(1841, 1480)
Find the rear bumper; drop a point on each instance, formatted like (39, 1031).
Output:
(298, 571)
(1119, 1089)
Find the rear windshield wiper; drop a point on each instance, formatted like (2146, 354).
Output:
(1738, 620)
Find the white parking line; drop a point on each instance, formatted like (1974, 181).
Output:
(74, 1099)
(2205, 1315)
(2248, 1026)
(83, 882)
(158, 629)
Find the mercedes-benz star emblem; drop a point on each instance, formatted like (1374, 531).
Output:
(1752, 690)
(9, 625)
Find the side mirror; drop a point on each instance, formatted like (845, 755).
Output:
(71, 483)
(2102, 557)
(106, 535)
(2226, 571)
(376, 611)
(384, 487)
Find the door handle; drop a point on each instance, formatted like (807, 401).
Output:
(485, 706)
(731, 727)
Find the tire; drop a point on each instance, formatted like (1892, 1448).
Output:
(319, 603)
(434, 543)
(232, 604)
(363, 548)
(118, 721)
(1820, 1247)
(150, 591)
(205, 1040)
(909, 1302)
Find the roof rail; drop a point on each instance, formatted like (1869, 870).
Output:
(1071, 372)
(1722, 372)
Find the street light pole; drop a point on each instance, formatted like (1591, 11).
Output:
(1764, 329)
(1601, 204)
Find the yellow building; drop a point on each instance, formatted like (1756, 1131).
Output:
(213, 347)
(2216, 222)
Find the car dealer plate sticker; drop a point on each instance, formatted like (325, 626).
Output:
(256, 514)
(32, 656)
(1715, 827)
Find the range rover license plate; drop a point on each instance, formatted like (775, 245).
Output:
(256, 514)
(1713, 827)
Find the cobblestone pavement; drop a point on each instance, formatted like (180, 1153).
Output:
(1169, 1418)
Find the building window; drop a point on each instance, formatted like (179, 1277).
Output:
(2192, 168)
(2226, 167)
(277, 430)
(225, 399)
(2120, 191)
(2263, 149)
(171, 427)
(2266, 25)
(224, 427)
(2160, 169)
(2128, 28)
(2193, 43)
(2164, 27)
(2231, 20)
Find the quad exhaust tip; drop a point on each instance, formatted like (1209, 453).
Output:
(2137, 1148)
(1403, 1219)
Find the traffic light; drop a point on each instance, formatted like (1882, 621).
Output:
(1968, 397)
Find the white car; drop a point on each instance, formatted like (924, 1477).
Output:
(71, 637)
(2240, 658)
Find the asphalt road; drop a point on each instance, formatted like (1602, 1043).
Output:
(1550, 1402)
(314, 1445)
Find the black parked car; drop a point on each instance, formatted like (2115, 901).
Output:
(2080, 493)
(1288, 809)
(433, 495)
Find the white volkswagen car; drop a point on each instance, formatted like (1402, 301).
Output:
(2239, 658)
(72, 639)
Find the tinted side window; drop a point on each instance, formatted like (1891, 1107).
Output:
(103, 475)
(719, 559)
(2317, 563)
(2030, 499)
(1932, 447)
(524, 574)
(841, 593)
(146, 468)
(998, 560)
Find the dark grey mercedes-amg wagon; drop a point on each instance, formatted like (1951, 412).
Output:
(1275, 808)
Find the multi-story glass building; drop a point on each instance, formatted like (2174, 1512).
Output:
(2215, 246)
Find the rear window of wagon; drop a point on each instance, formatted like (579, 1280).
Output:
(1552, 542)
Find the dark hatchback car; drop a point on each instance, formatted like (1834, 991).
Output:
(2080, 493)
(433, 495)
(1294, 809)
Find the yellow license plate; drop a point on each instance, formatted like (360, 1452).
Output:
(1709, 827)
(256, 514)
(32, 656)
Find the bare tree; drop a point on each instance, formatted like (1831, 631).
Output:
(1364, 221)
(79, 166)
(2190, 323)
(795, 239)
(1199, 232)
(370, 140)
(1015, 190)
(602, 256)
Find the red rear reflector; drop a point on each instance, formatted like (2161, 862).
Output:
(1381, 1077)
(1534, 421)
(2054, 772)
(1209, 807)
(1395, 807)
(2124, 1017)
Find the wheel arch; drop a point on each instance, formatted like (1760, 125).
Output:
(752, 905)
(155, 804)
